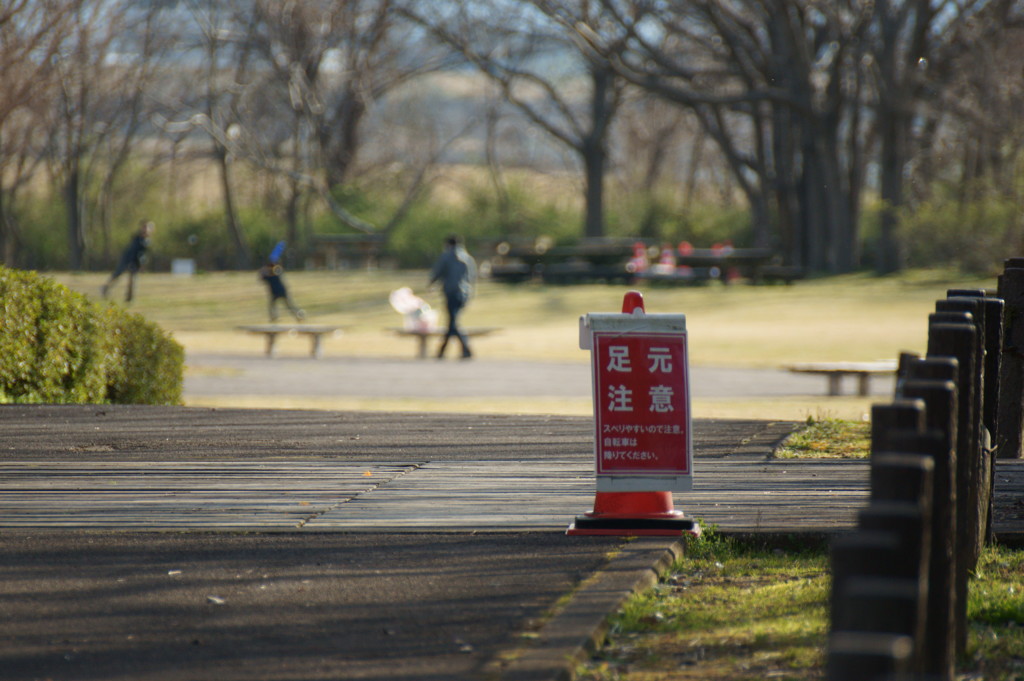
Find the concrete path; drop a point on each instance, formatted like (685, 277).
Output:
(441, 474)
(175, 543)
(158, 543)
(212, 375)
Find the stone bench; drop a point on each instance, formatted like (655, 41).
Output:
(835, 371)
(316, 332)
(424, 336)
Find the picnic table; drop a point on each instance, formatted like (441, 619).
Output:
(835, 371)
(425, 335)
(316, 332)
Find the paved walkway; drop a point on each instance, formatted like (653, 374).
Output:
(213, 375)
(173, 543)
(236, 469)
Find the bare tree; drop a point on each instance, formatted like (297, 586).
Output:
(978, 121)
(303, 79)
(226, 55)
(774, 83)
(914, 48)
(522, 47)
(799, 96)
(94, 106)
(331, 62)
(30, 34)
(140, 52)
(652, 141)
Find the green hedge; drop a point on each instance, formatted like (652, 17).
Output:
(58, 347)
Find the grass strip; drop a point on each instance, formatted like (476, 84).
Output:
(742, 609)
(730, 610)
(828, 438)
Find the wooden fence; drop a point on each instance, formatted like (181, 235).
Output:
(899, 590)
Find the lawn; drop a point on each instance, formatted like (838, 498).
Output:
(848, 318)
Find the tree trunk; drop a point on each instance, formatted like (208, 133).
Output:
(813, 226)
(5, 231)
(594, 162)
(895, 97)
(594, 149)
(494, 172)
(342, 145)
(785, 188)
(840, 252)
(105, 205)
(890, 248)
(291, 213)
(243, 258)
(76, 231)
(7, 235)
(693, 168)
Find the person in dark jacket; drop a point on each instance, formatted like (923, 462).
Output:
(271, 273)
(131, 260)
(456, 270)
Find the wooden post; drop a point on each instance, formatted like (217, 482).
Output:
(859, 656)
(900, 414)
(960, 341)
(903, 369)
(886, 606)
(977, 309)
(1010, 419)
(911, 524)
(994, 312)
(901, 504)
(861, 554)
(993, 309)
(980, 449)
(910, 519)
(869, 571)
(904, 478)
(947, 584)
(934, 368)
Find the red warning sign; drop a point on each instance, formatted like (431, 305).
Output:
(641, 401)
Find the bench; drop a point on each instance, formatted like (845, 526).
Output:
(834, 372)
(424, 336)
(316, 332)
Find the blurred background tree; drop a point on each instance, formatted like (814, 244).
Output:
(840, 135)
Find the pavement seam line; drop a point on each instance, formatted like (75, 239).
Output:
(406, 469)
(769, 437)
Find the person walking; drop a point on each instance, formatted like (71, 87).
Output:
(271, 273)
(456, 270)
(131, 260)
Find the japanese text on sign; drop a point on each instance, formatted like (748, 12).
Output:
(641, 403)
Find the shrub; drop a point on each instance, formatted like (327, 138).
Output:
(203, 238)
(974, 235)
(42, 233)
(481, 221)
(417, 241)
(58, 347)
(146, 366)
